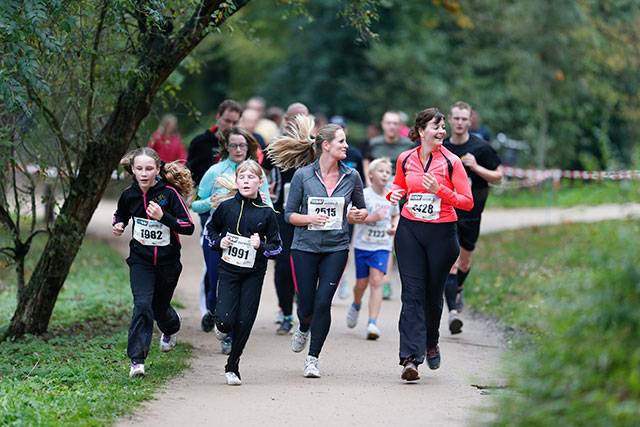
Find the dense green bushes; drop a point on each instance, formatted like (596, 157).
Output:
(575, 292)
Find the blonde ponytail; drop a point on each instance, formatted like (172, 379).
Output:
(227, 182)
(295, 148)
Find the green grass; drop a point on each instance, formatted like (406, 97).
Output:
(567, 193)
(77, 373)
(572, 292)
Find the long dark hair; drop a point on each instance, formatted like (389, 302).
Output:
(252, 153)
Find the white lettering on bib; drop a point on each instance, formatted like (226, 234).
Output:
(424, 206)
(150, 232)
(373, 233)
(333, 207)
(240, 253)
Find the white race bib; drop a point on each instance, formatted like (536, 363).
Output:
(333, 207)
(373, 233)
(240, 253)
(150, 232)
(424, 206)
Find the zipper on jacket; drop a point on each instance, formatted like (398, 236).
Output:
(155, 248)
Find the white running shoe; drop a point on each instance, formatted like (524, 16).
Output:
(352, 316)
(311, 367)
(299, 340)
(136, 370)
(219, 335)
(168, 342)
(373, 333)
(232, 379)
(343, 288)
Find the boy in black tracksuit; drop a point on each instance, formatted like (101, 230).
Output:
(154, 269)
(239, 287)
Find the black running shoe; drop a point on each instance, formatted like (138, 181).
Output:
(285, 327)
(433, 357)
(207, 322)
(455, 324)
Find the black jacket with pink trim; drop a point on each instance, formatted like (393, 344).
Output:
(133, 203)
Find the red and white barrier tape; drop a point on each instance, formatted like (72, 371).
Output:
(557, 174)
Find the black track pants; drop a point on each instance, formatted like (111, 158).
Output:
(236, 308)
(152, 288)
(282, 274)
(425, 252)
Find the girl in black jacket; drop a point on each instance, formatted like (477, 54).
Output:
(155, 204)
(245, 230)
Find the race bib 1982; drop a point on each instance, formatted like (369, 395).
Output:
(424, 206)
(333, 207)
(150, 232)
(240, 253)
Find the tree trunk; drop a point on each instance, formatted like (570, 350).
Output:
(162, 55)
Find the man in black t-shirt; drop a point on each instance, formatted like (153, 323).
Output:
(483, 167)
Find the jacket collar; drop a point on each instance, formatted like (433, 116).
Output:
(157, 186)
(257, 199)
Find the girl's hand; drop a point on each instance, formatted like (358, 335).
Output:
(154, 211)
(430, 183)
(225, 242)
(118, 229)
(358, 215)
(378, 216)
(395, 196)
(255, 240)
(318, 219)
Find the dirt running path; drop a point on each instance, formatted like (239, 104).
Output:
(360, 382)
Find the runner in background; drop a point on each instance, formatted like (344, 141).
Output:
(280, 181)
(167, 141)
(483, 167)
(390, 144)
(353, 160)
(203, 152)
(155, 204)
(373, 243)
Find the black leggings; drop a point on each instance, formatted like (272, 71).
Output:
(283, 275)
(316, 277)
(425, 252)
(236, 309)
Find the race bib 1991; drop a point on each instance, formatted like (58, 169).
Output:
(150, 232)
(240, 253)
(424, 206)
(333, 207)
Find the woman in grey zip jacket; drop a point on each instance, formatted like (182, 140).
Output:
(318, 205)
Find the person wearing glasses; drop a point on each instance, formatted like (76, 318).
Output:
(204, 151)
(236, 146)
